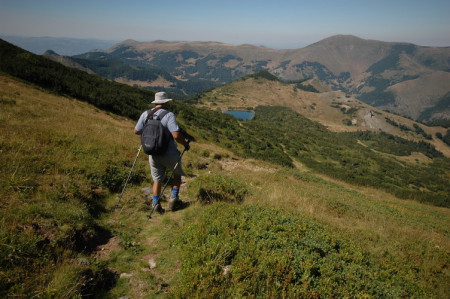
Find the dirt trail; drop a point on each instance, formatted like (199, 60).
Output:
(141, 258)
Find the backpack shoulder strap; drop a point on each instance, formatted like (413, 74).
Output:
(162, 114)
(150, 112)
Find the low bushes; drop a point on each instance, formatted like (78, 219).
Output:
(239, 251)
(212, 188)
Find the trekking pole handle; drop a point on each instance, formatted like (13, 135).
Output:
(187, 146)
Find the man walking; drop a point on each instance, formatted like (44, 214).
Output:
(159, 163)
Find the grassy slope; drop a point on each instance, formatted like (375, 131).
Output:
(325, 108)
(46, 176)
(409, 241)
(59, 156)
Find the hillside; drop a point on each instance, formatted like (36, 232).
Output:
(338, 111)
(62, 235)
(59, 160)
(258, 139)
(280, 205)
(403, 78)
(66, 61)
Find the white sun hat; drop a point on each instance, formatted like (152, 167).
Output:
(161, 98)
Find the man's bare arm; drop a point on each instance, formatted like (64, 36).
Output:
(179, 138)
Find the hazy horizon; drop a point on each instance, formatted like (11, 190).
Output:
(279, 25)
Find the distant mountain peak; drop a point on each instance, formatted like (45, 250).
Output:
(345, 40)
(343, 36)
(50, 53)
(160, 41)
(129, 41)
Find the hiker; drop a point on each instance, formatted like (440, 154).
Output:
(159, 163)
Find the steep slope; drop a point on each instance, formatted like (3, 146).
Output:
(48, 74)
(60, 160)
(66, 61)
(339, 54)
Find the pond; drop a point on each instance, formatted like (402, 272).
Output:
(244, 115)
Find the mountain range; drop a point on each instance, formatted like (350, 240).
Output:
(403, 78)
(410, 80)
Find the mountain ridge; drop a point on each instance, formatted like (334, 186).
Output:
(375, 72)
(66, 61)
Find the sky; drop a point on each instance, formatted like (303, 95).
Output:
(279, 24)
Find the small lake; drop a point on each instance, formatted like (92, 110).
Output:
(244, 115)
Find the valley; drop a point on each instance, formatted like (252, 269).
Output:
(337, 111)
(403, 78)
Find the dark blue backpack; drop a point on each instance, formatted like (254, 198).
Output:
(155, 137)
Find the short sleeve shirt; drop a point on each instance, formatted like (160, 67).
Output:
(169, 121)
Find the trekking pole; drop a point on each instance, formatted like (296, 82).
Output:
(164, 188)
(129, 176)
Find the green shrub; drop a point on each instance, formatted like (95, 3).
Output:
(114, 176)
(211, 188)
(446, 137)
(240, 250)
(205, 153)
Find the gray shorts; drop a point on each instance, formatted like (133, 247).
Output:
(159, 164)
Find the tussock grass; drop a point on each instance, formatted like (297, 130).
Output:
(55, 157)
(212, 188)
(240, 251)
(409, 237)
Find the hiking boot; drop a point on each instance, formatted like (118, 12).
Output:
(175, 204)
(159, 209)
